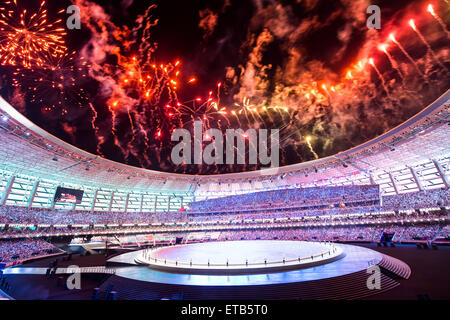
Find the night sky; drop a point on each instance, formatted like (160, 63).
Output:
(303, 67)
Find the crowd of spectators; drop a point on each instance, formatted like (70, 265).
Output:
(372, 219)
(259, 207)
(306, 234)
(350, 234)
(420, 233)
(313, 214)
(63, 222)
(444, 233)
(418, 200)
(12, 252)
(23, 215)
(307, 198)
(281, 213)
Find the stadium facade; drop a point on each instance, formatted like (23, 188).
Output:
(411, 157)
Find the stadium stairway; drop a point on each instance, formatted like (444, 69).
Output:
(395, 266)
(347, 287)
(4, 296)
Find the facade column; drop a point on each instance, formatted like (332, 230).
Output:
(142, 203)
(394, 184)
(156, 201)
(168, 205)
(7, 191)
(53, 202)
(416, 179)
(126, 202)
(111, 202)
(32, 194)
(441, 173)
(94, 200)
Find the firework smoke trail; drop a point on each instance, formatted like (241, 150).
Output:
(133, 137)
(308, 142)
(327, 93)
(287, 137)
(383, 82)
(100, 139)
(125, 152)
(247, 108)
(134, 82)
(148, 118)
(394, 64)
(233, 112)
(204, 111)
(146, 142)
(422, 38)
(430, 9)
(219, 85)
(253, 82)
(402, 49)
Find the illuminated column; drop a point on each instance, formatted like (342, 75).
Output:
(168, 206)
(372, 181)
(416, 179)
(111, 201)
(32, 194)
(142, 203)
(156, 200)
(94, 199)
(394, 184)
(182, 201)
(441, 173)
(126, 202)
(53, 203)
(7, 191)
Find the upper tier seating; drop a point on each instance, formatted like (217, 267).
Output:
(305, 198)
(418, 200)
(339, 203)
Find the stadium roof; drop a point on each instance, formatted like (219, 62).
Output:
(414, 155)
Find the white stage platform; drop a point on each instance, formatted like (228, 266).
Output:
(239, 257)
(356, 259)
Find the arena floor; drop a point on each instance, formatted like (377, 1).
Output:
(429, 273)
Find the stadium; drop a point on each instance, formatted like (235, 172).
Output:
(126, 175)
(390, 193)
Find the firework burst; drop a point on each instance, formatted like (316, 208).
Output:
(27, 39)
(54, 85)
(140, 100)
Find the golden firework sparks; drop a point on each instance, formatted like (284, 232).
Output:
(26, 37)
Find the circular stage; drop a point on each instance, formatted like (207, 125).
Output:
(239, 257)
(349, 259)
(344, 274)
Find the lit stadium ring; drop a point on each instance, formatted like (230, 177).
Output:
(238, 257)
(387, 160)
